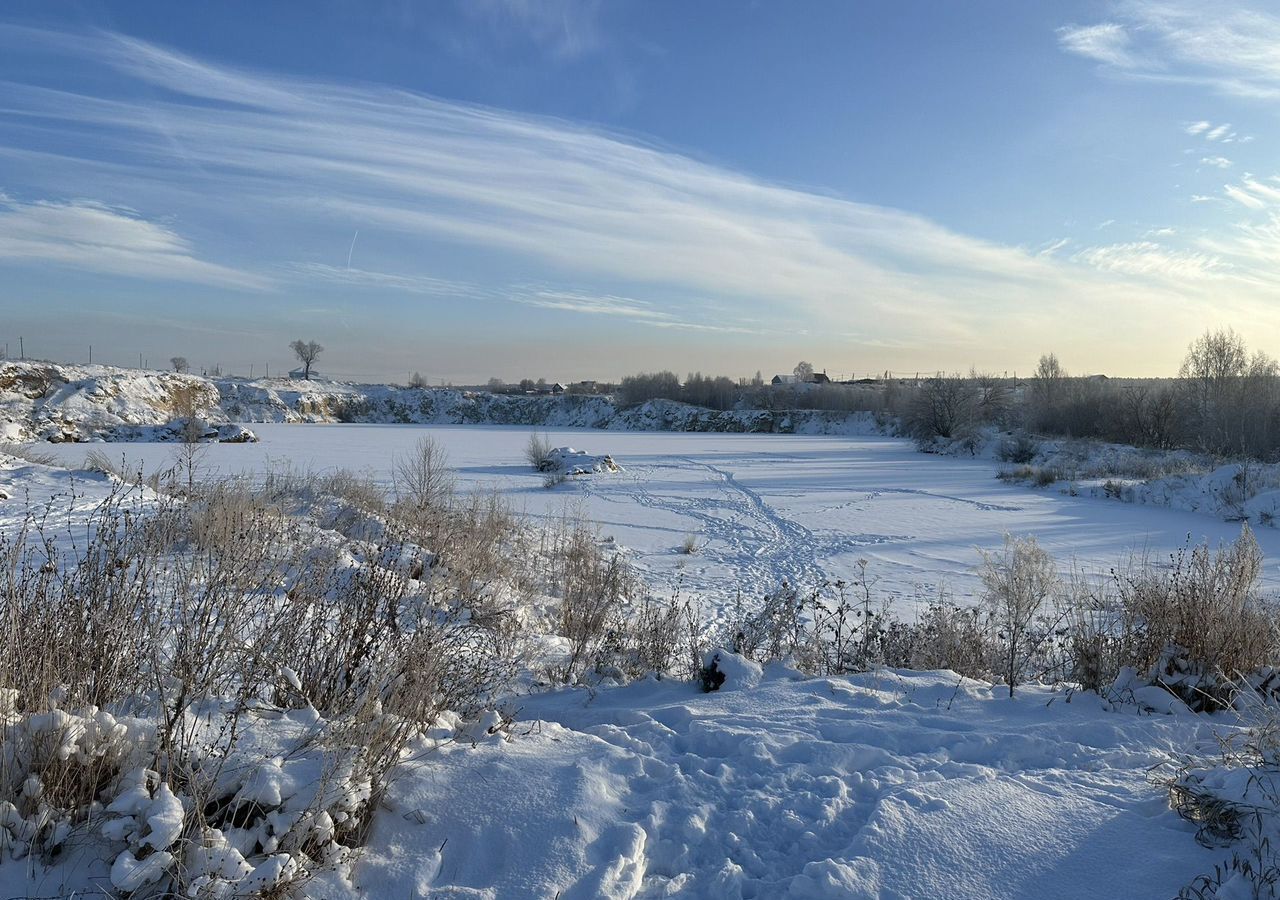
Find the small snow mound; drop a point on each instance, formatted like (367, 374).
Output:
(165, 819)
(577, 462)
(1264, 508)
(235, 434)
(128, 873)
(1226, 484)
(726, 671)
(1130, 687)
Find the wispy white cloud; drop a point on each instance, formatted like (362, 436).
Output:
(1108, 43)
(563, 29)
(1148, 258)
(1053, 247)
(1243, 197)
(546, 201)
(1231, 47)
(1252, 193)
(85, 235)
(412, 284)
(1218, 162)
(1218, 134)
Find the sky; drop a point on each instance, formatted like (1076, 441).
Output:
(578, 189)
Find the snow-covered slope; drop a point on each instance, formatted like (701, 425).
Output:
(895, 784)
(43, 401)
(46, 401)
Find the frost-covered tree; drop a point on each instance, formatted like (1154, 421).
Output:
(1017, 582)
(803, 371)
(179, 363)
(306, 351)
(1231, 394)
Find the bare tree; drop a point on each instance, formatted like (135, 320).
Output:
(417, 381)
(1048, 385)
(993, 398)
(496, 385)
(942, 407)
(306, 351)
(803, 371)
(1230, 393)
(179, 363)
(423, 478)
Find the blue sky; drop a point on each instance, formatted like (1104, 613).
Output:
(583, 189)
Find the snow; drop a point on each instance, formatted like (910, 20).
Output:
(128, 873)
(891, 784)
(763, 508)
(56, 402)
(577, 462)
(897, 784)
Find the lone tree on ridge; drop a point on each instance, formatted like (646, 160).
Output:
(306, 351)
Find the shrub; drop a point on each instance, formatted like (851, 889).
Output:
(424, 482)
(1016, 583)
(1201, 622)
(1019, 448)
(195, 614)
(537, 451)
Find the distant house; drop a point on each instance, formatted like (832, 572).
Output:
(815, 378)
(300, 374)
(556, 388)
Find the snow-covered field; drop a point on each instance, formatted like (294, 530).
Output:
(762, 507)
(890, 784)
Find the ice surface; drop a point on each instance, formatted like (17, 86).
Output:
(764, 507)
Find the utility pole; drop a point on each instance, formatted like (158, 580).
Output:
(139, 360)
(91, 354)
(22, 351)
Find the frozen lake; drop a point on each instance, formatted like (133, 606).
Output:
(763, 507)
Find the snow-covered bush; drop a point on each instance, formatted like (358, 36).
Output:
(593, 588)
(1017, 583)
(145, 673)
(1019, 447)
(1200, 623)
(1233, 798)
